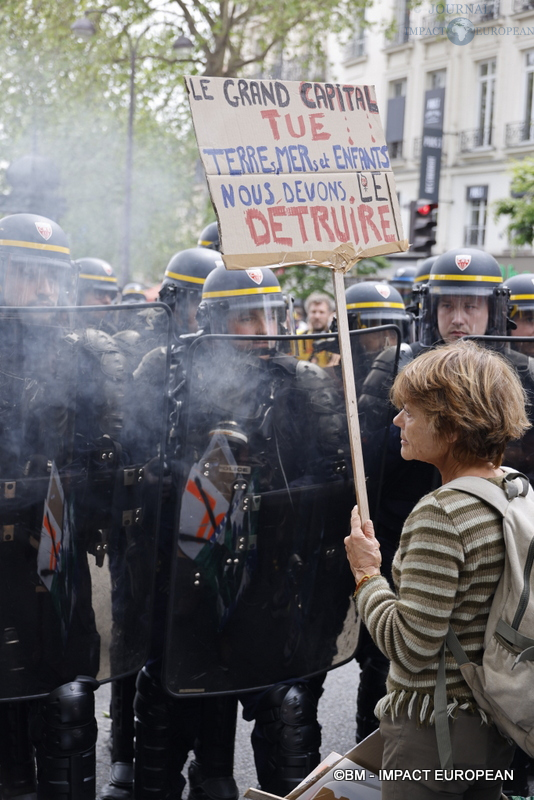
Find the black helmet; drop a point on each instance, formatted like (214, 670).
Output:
(521, 309)
(210, 237)
(468, 282)
(182, 285)
(35, 264)
(228, 295)
(133, 293)
(371, 304)
(521, 293)
(422, 271)
(95, 275)
(402, 281)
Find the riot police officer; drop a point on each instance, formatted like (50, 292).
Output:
(182, 284)
(180, 291)
(286, 422)
(47, 639)
(133, 292)
(464, 296)
(522, 310)
(209, 237)
(402, 281)
(97, 282)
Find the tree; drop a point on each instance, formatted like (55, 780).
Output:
(520, 205)
(68, 100)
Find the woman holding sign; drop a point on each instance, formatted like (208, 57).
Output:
(459, 407)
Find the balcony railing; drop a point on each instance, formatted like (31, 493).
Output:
(472, 140)
(522, 5)
(355, 49)
(518, 133)
(474, 235)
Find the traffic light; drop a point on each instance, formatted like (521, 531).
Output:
(423, 223)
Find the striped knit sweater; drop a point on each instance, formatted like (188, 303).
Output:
(447, 566)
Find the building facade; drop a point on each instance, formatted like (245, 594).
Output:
(482, 55)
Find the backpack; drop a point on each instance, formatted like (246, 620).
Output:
(503, 686)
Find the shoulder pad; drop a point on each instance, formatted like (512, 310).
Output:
(308, 371)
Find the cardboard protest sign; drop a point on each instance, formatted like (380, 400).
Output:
(298, 172)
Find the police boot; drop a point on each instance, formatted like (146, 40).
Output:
(211, 772)
(17, 765)
(64, 732)
(286, 738)
(165, 732)
(120, 786)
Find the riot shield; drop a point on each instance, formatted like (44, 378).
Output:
(83, 418)
(261, 588)
(519, 351)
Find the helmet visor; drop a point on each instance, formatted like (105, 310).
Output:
(33, 281)
(261, 315)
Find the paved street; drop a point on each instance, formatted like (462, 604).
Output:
(337, 710)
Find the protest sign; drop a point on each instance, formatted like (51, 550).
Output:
(298, 172)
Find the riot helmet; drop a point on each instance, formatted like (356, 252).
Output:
(422, 272)
(521, 309)
(209, 237)
(97, 283)
(182, 285)
(246, 302)
(35, 264)
(371, 304)
(464, 296)
(133, 293)
(402, 281)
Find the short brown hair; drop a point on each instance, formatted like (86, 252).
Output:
(469, 391)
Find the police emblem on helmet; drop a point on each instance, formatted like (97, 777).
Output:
(463, 261)
(45, 229)
(255, 274)
(384, 290)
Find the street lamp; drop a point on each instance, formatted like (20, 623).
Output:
(183, 46)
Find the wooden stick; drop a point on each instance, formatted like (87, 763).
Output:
(351, 403)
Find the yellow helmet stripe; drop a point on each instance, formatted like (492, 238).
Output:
(205, 242)
(54, 248)
(421, 278)
(384, 304)
(522, 297)
(471, 278)
(88, 277)
(235, 292)
(187, 278)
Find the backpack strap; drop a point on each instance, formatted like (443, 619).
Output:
(516, 484)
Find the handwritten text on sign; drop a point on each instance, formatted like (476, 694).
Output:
(295, 170)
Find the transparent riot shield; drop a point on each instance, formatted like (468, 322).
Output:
(519, 351)
(83, 419)
(261, 588)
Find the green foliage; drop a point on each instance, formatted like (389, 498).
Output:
(520, 206)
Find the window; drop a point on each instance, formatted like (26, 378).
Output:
(437, 79)
(477, 207)
(486, 93)
(395, 118)
(526, 133)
